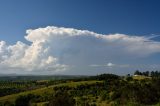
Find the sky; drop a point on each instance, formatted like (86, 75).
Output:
(84, 37)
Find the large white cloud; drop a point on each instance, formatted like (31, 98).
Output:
(58, 49)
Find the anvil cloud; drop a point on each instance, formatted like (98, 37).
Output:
(58, 49)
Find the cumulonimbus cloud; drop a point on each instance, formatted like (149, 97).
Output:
(57, 48)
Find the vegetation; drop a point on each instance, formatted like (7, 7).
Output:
(62, 98)
(100, 90)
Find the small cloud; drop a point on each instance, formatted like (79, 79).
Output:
(103, 65)
(110, 64)
(95, 65)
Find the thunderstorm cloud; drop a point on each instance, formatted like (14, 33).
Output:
(60, 50)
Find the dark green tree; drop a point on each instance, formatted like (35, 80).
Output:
(24, 100)
(137, 72)
(62, 98)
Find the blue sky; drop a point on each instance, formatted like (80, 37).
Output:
(129, 17)
(134, 17)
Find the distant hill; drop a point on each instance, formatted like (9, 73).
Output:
(37, 77)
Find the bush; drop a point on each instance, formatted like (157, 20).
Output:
(24, 100)
(62, 99)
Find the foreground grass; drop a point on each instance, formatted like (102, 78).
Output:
(45, 90)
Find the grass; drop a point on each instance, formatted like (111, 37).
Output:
(44, 90)
(41, 104)
(141, 77)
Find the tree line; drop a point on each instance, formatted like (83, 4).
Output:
(148, 73)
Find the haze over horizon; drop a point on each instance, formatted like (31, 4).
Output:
(79, 37)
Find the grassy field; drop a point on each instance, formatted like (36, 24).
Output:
(141, 77)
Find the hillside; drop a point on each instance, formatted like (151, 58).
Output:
(101, 90)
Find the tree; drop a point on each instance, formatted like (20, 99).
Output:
(147, 73)
(24, 100)
(137, 72)
(129, 78)
(7, 103)
(62, 99)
